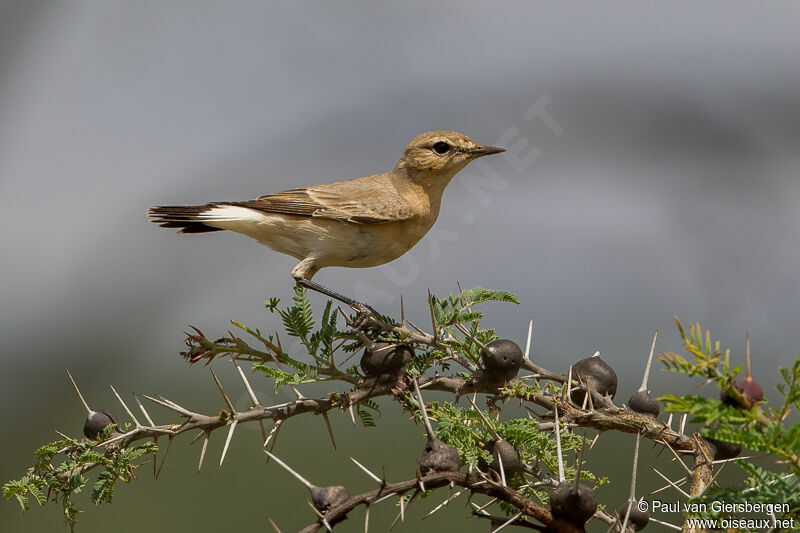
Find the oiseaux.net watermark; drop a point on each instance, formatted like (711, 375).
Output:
(730, 515)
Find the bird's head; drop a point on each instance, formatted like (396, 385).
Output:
(444, 152)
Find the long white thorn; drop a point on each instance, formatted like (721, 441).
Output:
(224, 395)
(425, 419)
(330, 429)
(643, 386)
(118, 438)
(367, 470)
(586, 397)
(164, 457)
(747, 353)
(125, 406)
(274, 525)
(321, 516)
(444, 503)
(677, 458)
(666, 524)
(672, 484)
(569, 382)
(172, 406)
(679, 482)
(228, 441)
(273, 432)
(203, 451)
(247, 385)
(89, 410)
(635, 462)
(478, 510)
(627, 517)
(197, 437)
(484, 506)
(512, 519)
(713, 479)
(144, 411)
(558, 445)
(289, 469)
(528, 342)
(502, 469)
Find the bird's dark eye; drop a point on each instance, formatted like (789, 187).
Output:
(441, 148)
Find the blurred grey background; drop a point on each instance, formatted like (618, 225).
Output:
(652, 171)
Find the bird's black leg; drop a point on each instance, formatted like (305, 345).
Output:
(364, 311)
(308, 284)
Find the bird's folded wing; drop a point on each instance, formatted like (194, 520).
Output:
(335, 203)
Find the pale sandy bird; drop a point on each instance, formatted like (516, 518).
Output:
(357, 223)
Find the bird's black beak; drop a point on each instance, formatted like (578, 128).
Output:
(480, 151)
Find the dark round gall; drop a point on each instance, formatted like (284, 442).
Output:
(505, 451)
(502, 359)
(641, 402)
(638, 519)
(385, 358)
(596, 374)
(324, 498)
(97, 422)
(438, 457)
(748, 388)
(723, 450)
(576, 507)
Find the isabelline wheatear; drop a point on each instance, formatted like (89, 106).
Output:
(355, 223)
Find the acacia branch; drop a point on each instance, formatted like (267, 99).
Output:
(473, 483)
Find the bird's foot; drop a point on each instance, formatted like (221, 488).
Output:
(364, 313)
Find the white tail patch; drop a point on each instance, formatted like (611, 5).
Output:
(231, 213)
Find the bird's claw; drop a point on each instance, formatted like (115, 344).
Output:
(363, 315)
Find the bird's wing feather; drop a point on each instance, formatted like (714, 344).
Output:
(357, 201)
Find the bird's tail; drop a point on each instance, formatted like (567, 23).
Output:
(189, 218)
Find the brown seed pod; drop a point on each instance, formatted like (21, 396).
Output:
(438, 457)
(723, 450)
(596, 374)
(637, 518)
(574, 502)
(502, 360)
(642, 403)
(97, 421)
(505, 452)
(746, 386)
(385, 361)
(324, 498)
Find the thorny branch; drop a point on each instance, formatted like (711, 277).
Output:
(610, 417)
(475, 484)
(597, 412)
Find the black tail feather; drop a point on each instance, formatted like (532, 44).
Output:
(181, 216)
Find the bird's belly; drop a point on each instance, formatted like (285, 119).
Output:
(332, 242)
(369, 245)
